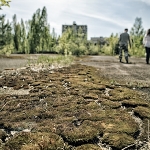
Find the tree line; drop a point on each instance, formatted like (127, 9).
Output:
(35, 36)
(137, 33)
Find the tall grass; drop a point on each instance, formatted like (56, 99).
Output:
(48, 60)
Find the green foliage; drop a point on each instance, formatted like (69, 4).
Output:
(137, 29)
(34, 36)
(18, 38)
(94, 49)
(23, 37)
(40, 39)
(4, 3)
(17, 35)
(137, 33)
(111, 45)
(7, 50)
(72, 43)
(51, 60)
(6, 42)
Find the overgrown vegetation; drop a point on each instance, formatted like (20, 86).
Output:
(53, 60)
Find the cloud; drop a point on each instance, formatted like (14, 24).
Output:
(103, 16)
(144, 1)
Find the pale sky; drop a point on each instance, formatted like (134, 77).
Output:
(102, 17)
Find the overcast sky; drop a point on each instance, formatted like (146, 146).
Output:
(102, 17)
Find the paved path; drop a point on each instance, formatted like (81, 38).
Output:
(136, 72)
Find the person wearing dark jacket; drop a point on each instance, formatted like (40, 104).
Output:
(146, 43)
(123, 43)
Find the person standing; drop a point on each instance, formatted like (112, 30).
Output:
(123, 44)
(146, 43)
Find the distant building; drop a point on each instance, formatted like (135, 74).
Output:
(98, 40)
(75, 28)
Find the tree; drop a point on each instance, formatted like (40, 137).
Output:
(5, 27)
(23, 38)
(38, 32)
(137, 29)
(14, 25)
(6, 44)
(35, 32)
(4, 3)
(110, 48)
(45, 37)
(17, 35)
(2, 31)
(18, 38)
(72, 42)
(137, 33)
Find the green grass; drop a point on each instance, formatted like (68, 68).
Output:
(47, 60)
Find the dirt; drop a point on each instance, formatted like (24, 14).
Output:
(96, 103)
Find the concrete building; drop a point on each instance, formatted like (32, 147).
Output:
(98, 40)
(75, 28)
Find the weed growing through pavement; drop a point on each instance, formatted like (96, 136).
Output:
(49, 60)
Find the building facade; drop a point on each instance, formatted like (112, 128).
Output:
(98, 40)
(76, 28)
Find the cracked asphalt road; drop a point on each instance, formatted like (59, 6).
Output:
(136, 72)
